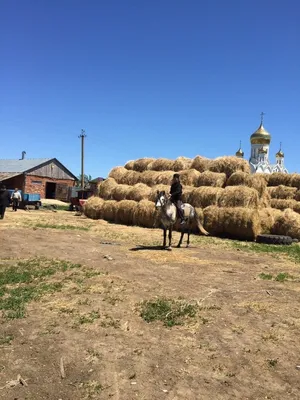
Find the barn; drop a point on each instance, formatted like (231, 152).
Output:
(45, 176)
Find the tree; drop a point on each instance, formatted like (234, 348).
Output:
(87, 178)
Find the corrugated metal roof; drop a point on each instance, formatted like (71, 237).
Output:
(21, 165)
(8, 175)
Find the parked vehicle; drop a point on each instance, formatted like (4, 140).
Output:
(28, 199)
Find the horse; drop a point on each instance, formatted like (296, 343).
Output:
(168, 218)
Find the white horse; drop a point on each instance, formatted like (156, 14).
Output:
(168, 217)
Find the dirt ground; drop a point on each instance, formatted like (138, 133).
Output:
(243, 342)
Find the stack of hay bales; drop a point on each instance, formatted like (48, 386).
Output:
(230, 201)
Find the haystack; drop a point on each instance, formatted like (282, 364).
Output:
(229, 165)
(241, 178)
(141, 164)
(158, 188)
(295, 180)
(297, 195)
(120, 192)
(283, 204)
(282, 192)
(124, 212)
(109, 210)
(288, 224)
(93, 207)
(163, 178)
(237, 223)
(161, 164)
(239, 196)
(268, 216)
(201, 164)
(279, 178)
(145, 214)
(130, 178)
(129, 165)
(106, 188)
(182, 163)
(205, 196)
(214, 179)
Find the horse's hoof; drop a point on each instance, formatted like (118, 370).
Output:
(187, 246)
(178, 246)
(169, 248)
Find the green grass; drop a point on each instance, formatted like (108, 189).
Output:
(88, 318)
(6, 339)
(266, 277)
(62, 227)
(281, 277)
(170, 312)
(25, 281)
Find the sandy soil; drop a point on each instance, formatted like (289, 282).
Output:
(242, 344)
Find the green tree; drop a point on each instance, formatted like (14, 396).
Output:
(87, 178)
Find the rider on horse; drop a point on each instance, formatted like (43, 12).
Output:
(176, 196)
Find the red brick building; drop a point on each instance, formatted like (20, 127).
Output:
(45, 176)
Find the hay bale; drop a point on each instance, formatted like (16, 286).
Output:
(93, 207)
(145, 214)
(129, 165)
(124, 212)
(106, 188)
(205, 196)
(297, 195)
(268, 216)
(295, 180)
(279, 178)
(283, 204)
(120, 192)
(161, 164)
(130, 178)
(117, 174)
(158, 188)
(239, 196)
(149, 177)
(255, 181)
(287, 224)
(182, 163)
(264, 200)
(229, 165)
(187, 192)
(200, 163)
(236, 223)
(138, 192)
(189, 177)
(163, 178)
(141, 164)
(109, 210)
(282, 192)
(214, 179)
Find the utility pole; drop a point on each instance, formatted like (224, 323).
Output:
(82, 136)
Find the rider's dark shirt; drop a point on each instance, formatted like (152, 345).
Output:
(176, 191)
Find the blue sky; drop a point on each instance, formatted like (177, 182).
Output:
(147, 78)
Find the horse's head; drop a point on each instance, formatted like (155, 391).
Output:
(161, 199)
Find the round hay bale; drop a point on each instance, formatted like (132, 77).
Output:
(235, 223)
(205, 196)
(189, 177)
(239, 196)
(295, 180)
(282, 192)
(129, 165)
(120, 192)
(200, 163)
(229, 165)
(287, 224)
(161, 164)
(241, 178)
(279, 178)
(297, 195)
(138, 192)
(283, 204)
(117, 174)
(268, 216)
(106, 188)
(141, 164)
(264, 200)
(109, 210)
(214, 179)
(124, 212)
(149, 177)
(158, 188)
(145, 214)
(93, 207)
(186, 195)
(182, 163)
(164, 178)
(130, 178)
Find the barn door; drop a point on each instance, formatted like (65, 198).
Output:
(61, 192)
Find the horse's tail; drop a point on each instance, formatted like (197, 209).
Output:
(200, 226)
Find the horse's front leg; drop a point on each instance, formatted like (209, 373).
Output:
(170, 236)
(188, 238)
(181, 238)
(165, 237)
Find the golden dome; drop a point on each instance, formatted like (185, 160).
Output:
(260, 136)
(263, 151)
(280, 154)
(239, 153)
